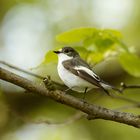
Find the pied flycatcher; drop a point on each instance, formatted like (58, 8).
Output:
(77, 74)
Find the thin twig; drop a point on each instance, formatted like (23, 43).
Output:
(125, 99)
(93, 111)
(134, 103)
(128, 107)
(22, 70)
(124, 86)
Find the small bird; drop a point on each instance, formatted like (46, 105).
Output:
(76, 74)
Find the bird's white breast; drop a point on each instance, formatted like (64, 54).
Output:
(69, 79)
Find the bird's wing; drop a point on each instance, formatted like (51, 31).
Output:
(83, 70)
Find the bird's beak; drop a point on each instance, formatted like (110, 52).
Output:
(57, 52)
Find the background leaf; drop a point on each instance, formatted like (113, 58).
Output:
(50, 57)
(75, 35)
(80, 34)
(130, 63)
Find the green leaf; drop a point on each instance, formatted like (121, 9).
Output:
(130, 63)
(114, 33)
(102, 43)
(50, 57)
(81, 34)
(95, 58)
(103, 39)
(75, 35)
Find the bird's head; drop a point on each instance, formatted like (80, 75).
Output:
(68, 52)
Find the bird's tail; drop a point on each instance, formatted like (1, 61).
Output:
(116, 89)
(107, 86)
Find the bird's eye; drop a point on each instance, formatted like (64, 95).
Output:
(66, 51)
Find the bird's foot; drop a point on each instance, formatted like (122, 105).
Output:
(66, 90)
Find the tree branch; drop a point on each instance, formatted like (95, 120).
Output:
(93, 111)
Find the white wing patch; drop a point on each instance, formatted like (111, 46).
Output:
(106, 86)
(90, 72)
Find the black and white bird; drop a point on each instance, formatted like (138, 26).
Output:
(77, 74)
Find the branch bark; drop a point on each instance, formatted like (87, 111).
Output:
(93, 111)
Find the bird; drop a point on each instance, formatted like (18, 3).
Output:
(77, 74)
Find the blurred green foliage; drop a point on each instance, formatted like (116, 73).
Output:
(131, 63)
(81, 34)
(5, 5)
